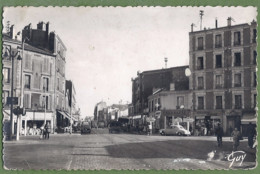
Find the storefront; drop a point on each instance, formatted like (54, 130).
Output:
(178, 116)
(206, 122)
(245, 120)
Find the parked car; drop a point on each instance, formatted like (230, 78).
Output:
(174, 130)
(85, 127)
(114, 127)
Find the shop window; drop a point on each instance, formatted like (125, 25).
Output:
(254, 58)
(200, 103)
(237, 38)
(218, 61)
(254, 36)
(218, 81)
(238, 101)
(218, 41)
(219, 102)
(200, 83)
(237, 61)
(27, 82)
(6, 74)
(200, 43)
(152, 105)
(180, 102)
(200, 63)
(237, 80)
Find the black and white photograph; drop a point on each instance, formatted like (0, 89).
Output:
(129, 88)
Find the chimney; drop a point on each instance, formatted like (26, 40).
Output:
(229, 21)
(216, 22)
(12, 32)
(40, 25)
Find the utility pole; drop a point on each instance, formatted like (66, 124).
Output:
(165, 60)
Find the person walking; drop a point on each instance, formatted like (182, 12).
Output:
(219, 134)
(47, 130)
(250, 134)
(236, 137)
(149, 129)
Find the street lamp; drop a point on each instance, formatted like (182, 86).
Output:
(12, 54)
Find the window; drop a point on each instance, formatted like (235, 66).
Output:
(200, 102)
(200, 64)
(27, 62)
(219, 102)
(152, 105)
(200, 43)
(238, 101)
(5, 94)
(6, 73)
(237, 61)
(218, 81)
(254, 35)
(255, 79)
(45, 65)
(45, 102)
(218, 41)
(200, 83)
(26, 101)
(237, 80)
(254, 58)
(27, 82)
(254, 100)
(58, 84)
(218, 61)
(237, 38)
(180, 102)
(159, 103)
(45, 84)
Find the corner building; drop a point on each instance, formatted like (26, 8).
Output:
(223, 78)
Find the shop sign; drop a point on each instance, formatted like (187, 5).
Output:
(137, 117)
(150, 119)
(178, 112)
(157, 114)
(188, 119)
(178, 119)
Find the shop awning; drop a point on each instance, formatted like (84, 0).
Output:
(67, 116)
(246, 119)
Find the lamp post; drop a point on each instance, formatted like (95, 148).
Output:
(13, 54)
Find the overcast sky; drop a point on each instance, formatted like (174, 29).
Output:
(107, 46)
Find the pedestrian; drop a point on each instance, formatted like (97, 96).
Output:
(250, 134)
(219, 134)
(149, 129)
(47, 130)
(236, 137)
(42, 132)
(190, 129)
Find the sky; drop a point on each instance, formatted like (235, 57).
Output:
(106, 46)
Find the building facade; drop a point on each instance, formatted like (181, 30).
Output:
(171, 107)
(223, 78)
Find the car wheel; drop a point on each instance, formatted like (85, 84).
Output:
(179, 134)
(163, 133)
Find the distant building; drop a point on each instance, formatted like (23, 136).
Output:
(147, 82)
(223, 80)
(171, 107)
(116, 111)
(100, 114)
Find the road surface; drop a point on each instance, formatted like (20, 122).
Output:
(100, 150)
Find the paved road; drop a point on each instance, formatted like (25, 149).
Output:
(101, 150)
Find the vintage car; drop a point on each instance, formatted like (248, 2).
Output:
(174, 130)
(115, 127)
(85, 127)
